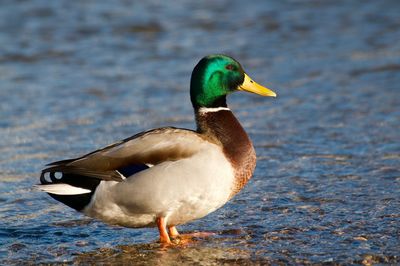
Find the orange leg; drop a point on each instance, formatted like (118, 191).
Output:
(162, 228)
(172, 231)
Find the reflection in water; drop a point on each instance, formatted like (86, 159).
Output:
(153, 254)
(210, 251)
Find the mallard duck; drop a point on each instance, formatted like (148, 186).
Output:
(167, 176)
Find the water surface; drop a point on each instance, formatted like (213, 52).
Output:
(76, 76)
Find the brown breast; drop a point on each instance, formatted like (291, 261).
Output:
(223, 128)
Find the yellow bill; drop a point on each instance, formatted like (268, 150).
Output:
(252, 86)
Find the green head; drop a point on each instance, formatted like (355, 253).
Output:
(215, 76)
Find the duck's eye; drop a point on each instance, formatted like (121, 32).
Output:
(230, 67)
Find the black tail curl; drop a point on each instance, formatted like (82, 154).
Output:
(53, 175)
(83, 178)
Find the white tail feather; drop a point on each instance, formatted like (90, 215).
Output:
(63, 189)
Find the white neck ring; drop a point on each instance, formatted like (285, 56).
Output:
(212, 109)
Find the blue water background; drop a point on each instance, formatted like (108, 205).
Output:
(78, 75)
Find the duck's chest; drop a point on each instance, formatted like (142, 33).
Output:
(237, 146)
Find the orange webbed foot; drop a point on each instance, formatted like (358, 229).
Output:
(186, 238)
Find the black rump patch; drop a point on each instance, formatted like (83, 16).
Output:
(129, 170)
(77, 202)
(83, 178)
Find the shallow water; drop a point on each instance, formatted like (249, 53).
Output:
(79, 75)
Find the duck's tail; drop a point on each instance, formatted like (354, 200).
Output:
(75, 186)
(69, 185)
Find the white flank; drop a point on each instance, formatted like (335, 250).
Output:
(214, 109)
(191, 183)
(62, 189)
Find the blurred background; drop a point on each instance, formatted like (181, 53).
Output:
(78, 75)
